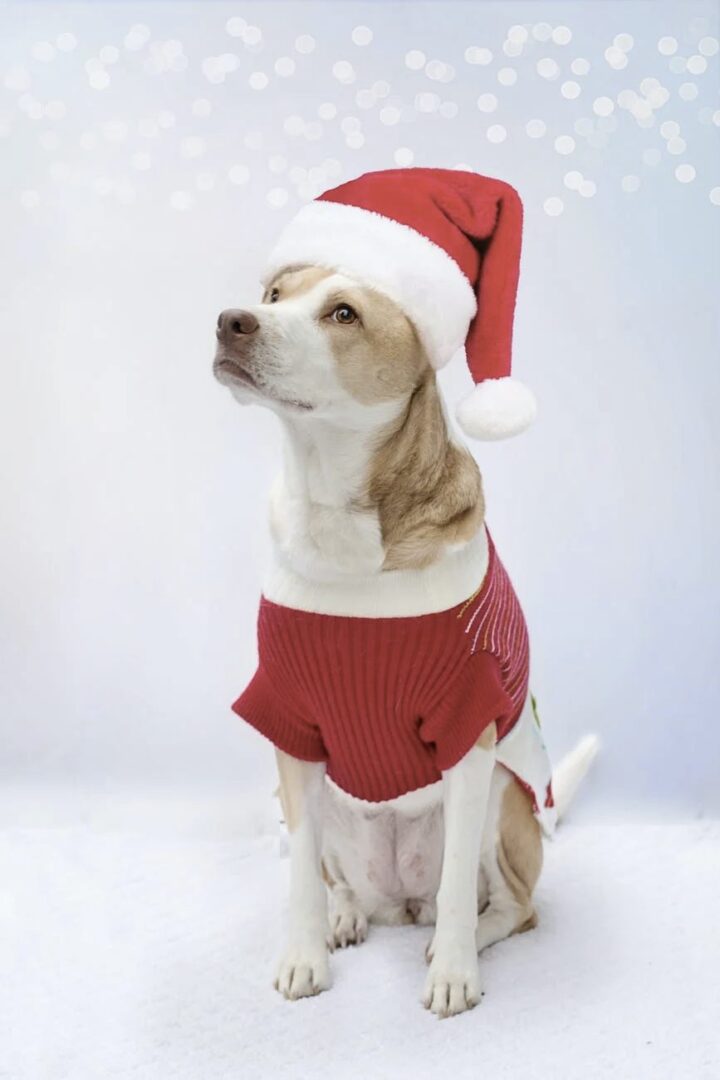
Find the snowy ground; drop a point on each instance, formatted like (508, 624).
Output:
(142, 939)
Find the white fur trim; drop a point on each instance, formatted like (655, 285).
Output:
(389, 593)
(393, 258)
(496, 409)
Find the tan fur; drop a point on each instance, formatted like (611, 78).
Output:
(427, 490)
(295, 281)
(520, 851)
(488, 738)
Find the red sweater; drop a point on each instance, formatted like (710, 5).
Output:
(390, 702)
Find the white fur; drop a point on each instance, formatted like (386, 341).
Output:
(497, 409)
(386, 255)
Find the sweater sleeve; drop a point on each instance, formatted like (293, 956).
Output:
(455, 722)
(260, 705)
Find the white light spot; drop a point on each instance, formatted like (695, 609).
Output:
(365, 99)
(43, 51)
(708, 46)
(390, 115)
(685, 173)
(415, 60)
(304, 44)
(658, 96)
(630, 183)
(587, 189)
(570, 90)
(580, 66)
(542, 31)
(697, 65)
(277, 197)
(252, 36)
(667, 46)
(616, 58)
(676, 145)
(507, 76)
(381, 88)
(439, 71)
(404, 156)
(487, 103)
(548, 68)
(109, 54)
(624, 42)
(343, 71)
(192, 147)
(716, 118)
(518, 34)
(573, 179)
(285, 67)
(137, 36)
(535, 129)
(294, 125)
(182, 200)
(355, 140)
(362, 35)
(258, 80)
(496, 133)
(715, 196)
(235, 27)
(449, 110)
(603, 106)
(427, 102)
(564, 144)
(327, 111)
(239, 174)
(669, 129)
(553, 206)
(562, 35)
(29, 199)
(141, 161)
(512, 48)
(641, 109)
(350, 123)
(476, 55)
(99, 80)
(67, 42)
(688, 91)
(201, 107)
(652, 156)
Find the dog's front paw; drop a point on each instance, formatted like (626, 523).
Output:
(453, 982)
(303, 971)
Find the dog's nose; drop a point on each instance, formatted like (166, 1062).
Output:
(235, 323)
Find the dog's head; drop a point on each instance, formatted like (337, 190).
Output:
(319, 344)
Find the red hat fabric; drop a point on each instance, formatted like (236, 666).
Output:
(445, 245)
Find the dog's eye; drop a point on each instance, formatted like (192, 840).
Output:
(274, 296)
(344, 314)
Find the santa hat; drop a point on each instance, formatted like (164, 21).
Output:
(445, 246)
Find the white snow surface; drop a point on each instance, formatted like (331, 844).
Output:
(139, 940)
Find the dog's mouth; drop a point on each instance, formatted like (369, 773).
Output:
(226, 365)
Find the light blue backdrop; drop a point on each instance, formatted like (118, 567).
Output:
(150, 153)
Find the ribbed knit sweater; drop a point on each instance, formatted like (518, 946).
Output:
(389, 703)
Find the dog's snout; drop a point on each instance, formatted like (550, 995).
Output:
(235, 323)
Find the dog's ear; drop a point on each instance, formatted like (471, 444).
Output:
(427, 490)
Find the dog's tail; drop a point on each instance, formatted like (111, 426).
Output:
(569, 772)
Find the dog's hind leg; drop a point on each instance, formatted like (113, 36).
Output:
(348, 922)
(511, 869)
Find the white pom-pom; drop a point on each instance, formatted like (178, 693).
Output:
(497, 409)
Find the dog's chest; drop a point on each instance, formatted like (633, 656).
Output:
(390, 850)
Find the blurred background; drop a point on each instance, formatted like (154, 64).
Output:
(151, 153)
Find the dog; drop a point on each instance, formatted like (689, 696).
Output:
(375, 487)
